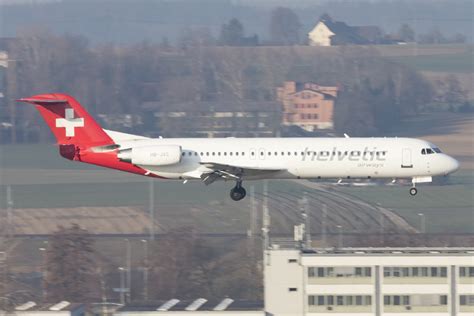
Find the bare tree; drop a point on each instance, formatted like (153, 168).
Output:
(70, 266)
(284, 26)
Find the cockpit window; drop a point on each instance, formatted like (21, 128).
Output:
(429, 151)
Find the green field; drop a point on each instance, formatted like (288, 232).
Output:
(447, 208)
(450, 63)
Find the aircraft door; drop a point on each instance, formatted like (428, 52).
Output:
(406, 158)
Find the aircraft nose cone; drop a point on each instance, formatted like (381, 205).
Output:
(453, 165)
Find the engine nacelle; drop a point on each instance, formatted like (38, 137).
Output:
(159, 155)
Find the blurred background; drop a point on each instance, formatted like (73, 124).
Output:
(220, 68)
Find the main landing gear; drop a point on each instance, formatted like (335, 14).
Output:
(238, 192)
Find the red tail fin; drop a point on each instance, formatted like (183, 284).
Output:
(69, 121)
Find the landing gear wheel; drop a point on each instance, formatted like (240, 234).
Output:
(413, 191)
(237, 193)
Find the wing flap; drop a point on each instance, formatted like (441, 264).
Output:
(233, 172)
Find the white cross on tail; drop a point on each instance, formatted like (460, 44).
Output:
(69, 122)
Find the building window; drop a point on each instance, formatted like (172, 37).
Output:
(406, 272)
(466, 300)
(339, 272)
(414, 272)
(443, 272)
(416, 300)
(292, 289)
(321, 272)
(466, 272)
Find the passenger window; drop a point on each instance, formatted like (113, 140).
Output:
(237, 153)
(243, 153)
(230, 153)
(190, 153)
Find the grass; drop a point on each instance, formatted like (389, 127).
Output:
(447, 209)
(41, 156)
(449, 63)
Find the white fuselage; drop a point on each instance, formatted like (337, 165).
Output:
(304, 157)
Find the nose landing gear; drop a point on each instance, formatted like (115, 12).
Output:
(413, 191)
(238, 192)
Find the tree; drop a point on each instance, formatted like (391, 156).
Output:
(70, 266)
(177, 268)
(232, 33)
(434, 36)
(406, 33)
(454, 94)
(284, 26)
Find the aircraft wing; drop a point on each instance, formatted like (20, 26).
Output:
(231, 172)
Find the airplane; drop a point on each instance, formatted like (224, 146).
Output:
(80, 138)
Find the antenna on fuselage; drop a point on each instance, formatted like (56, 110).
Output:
(346, 136)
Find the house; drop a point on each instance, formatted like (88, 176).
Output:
(309, 105)
(328, 32)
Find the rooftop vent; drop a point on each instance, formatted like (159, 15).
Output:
(26, 306)
(59, 306)
(194, 306)
(166, 306)
(222, 306)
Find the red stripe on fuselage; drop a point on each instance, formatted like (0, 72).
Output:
(110, 160)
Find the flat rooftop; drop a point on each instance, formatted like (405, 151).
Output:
(468, 251)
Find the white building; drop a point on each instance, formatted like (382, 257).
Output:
(320, 35)
(370, 281)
